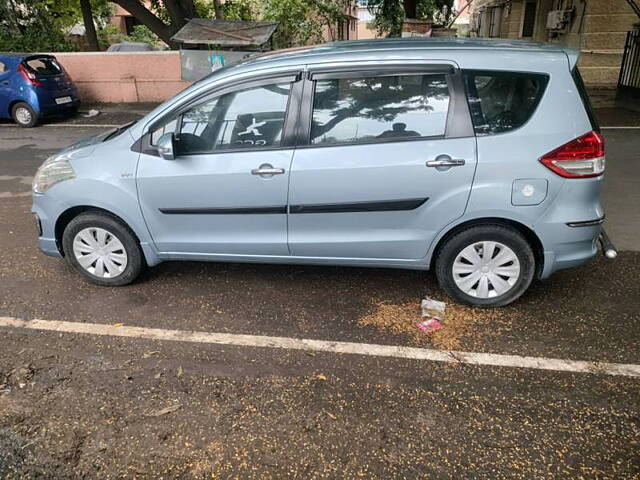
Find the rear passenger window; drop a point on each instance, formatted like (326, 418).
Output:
(366, 109)
(502, 101)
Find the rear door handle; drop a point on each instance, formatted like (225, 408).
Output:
(267, 169)
(445, 161)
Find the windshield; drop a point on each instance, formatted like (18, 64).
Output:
(43, 65)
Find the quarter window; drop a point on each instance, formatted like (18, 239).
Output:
(350, 110)
(502, 101)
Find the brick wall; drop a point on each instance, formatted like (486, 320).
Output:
(124, 76)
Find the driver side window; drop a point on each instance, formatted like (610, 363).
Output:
(243, 119)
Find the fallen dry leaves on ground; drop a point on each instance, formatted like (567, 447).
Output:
(461, 323)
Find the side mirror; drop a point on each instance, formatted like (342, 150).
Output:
(166, 146)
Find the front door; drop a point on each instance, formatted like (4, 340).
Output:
(389, 162)
(225, 193)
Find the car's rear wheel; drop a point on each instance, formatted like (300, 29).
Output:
(102, 249)
(486, 266)
(24, 115)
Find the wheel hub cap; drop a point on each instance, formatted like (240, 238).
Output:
(100, 252)
(23, 115)
(486, 269)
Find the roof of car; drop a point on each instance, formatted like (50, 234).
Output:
(411, 43)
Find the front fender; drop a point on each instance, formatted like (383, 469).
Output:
(87, 193)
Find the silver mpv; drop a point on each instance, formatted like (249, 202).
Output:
(478, 159)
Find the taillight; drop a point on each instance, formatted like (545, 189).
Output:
(30, 77)
(66, 74)
(583, 157)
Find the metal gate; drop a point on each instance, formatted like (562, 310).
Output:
(629, 79)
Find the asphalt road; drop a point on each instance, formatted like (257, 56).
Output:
(78, 405)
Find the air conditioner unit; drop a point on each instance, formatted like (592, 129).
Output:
(558, 19)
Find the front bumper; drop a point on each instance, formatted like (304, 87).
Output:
(46, 212)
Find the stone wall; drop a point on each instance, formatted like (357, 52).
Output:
(606, 25)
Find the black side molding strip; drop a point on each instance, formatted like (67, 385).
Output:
(588, 223)
(382, 206)
(225, 211)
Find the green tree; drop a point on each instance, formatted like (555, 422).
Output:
(302, 22)
(142, 34)
(389, 15)
(40, 25)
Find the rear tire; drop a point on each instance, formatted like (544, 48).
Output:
(103, 249)
(486, 266)
(24, 115)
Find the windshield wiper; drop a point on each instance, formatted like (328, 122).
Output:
(119, 130)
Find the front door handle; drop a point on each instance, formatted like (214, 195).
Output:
(267, 169)
(445, 161)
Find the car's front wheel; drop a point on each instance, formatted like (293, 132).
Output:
(102, 249)
(24, 115)
(486, 266)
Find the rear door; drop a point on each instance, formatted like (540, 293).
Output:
(386, 160)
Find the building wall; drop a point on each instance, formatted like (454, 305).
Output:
(365, 27)
(124, 77)
(606, 26)
(597, 28)
(512, 21)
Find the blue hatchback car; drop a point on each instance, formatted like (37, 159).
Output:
(33, 86)
(479, 160)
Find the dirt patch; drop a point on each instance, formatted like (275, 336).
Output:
(461, 324)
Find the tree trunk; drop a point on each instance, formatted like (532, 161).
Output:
(175, 12)
(147, 18)
(89, 27)
(217, 8)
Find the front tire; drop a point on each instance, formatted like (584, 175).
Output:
(103, 249)
(486, 266)
(24, 115)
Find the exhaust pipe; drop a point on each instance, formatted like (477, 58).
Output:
(608, 249)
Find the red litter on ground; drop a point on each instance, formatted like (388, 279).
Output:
(429, 326)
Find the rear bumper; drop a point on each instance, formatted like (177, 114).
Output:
(47, 101)
(570, 228)
(574, 247)
(55, 109)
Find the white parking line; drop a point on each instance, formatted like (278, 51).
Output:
(620, 128)
(514, 361)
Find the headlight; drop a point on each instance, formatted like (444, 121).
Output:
(52, 171)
